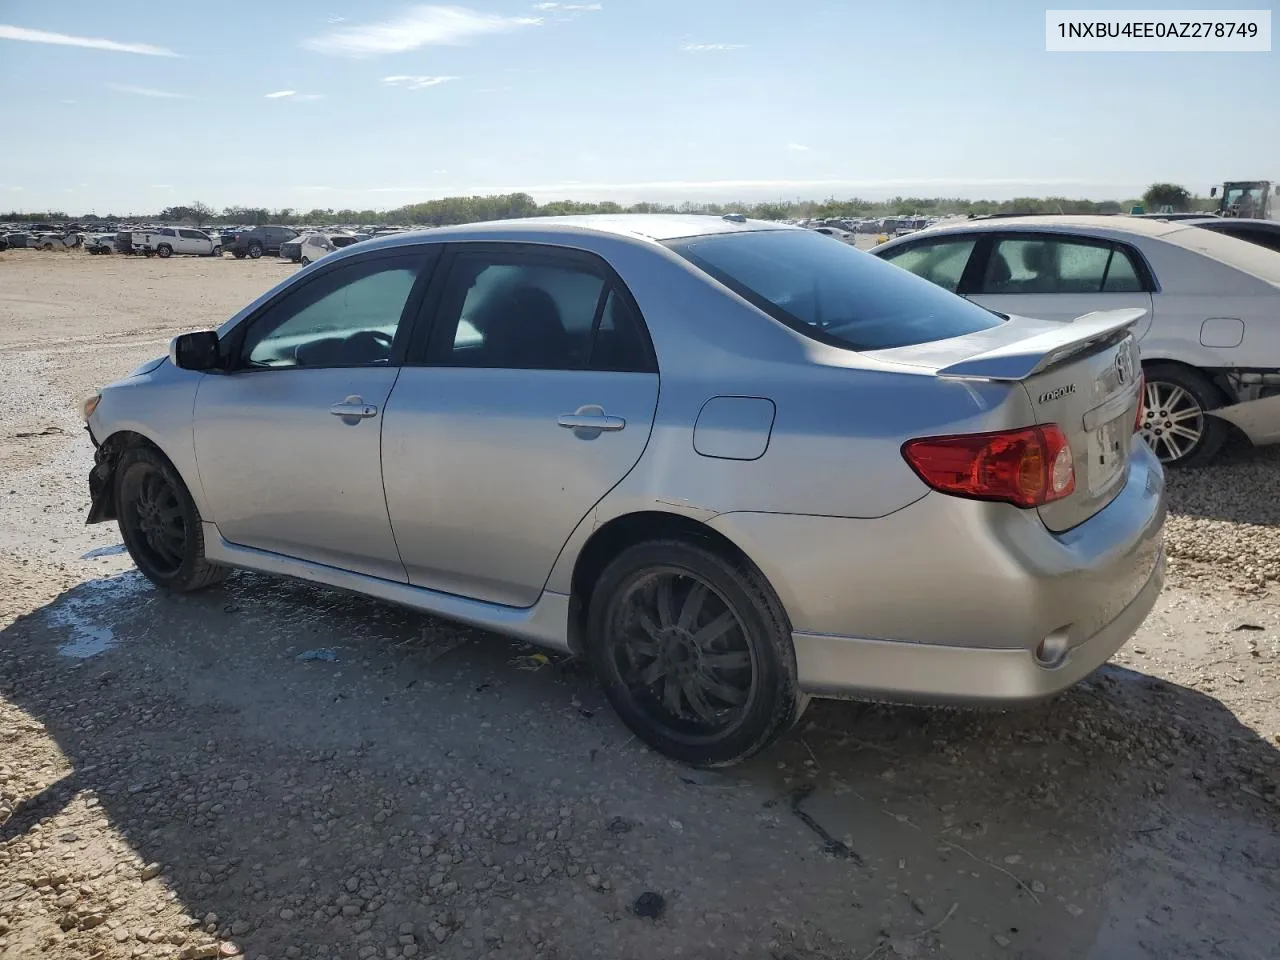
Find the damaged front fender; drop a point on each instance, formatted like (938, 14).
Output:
(1259, 420)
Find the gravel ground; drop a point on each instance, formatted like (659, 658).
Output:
(176, 782)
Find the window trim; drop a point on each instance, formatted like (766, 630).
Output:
(971, 285)
(231, 345)
(428, 330)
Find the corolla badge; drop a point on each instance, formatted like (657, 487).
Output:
(1057, 393)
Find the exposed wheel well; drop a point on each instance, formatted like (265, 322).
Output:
(106, 458)
(626, 531)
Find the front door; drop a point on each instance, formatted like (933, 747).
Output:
(534, 398)
(288, 439)
(1055, 277)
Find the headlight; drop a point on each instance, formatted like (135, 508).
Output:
(90, 405)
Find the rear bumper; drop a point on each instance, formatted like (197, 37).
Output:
(931, 673)
(946, 600)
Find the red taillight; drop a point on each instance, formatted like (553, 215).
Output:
(1028, 467)
(1142, 402)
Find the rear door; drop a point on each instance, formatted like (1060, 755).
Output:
(1052, 276)
(533, 396)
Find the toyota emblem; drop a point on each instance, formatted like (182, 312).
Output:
(1124, 367)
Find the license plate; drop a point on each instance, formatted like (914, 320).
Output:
(1107, 454)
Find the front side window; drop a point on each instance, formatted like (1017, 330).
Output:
(833, 292)
(347, 316)
(535, 313)
(938, 261)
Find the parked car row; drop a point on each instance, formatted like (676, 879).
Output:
(1208, 292)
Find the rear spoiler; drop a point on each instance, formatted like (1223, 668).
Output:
(1026, 358)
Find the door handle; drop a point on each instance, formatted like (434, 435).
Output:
(354, 408)
(590, 418)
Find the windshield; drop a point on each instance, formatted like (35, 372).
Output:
(833, 292)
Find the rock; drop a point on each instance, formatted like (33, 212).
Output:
(406, 928)
(229, 949)
(409, 950)
(1074, 910)
(286, 914)
(152, 870)
(441, 934)
(1001, 940)
(92, 920)
(1037, 886)
(650, 905)
(240, 928)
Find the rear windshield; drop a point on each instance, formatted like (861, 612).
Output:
(833, 292)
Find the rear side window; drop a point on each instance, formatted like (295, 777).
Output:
(541, 313)
(1046, 264)
(832, 291)
(938, 261)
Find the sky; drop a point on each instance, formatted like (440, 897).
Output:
(134, 105)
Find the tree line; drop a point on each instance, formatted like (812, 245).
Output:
(451, 210)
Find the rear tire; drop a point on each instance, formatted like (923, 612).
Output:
(305, 261)
(160, 523)
(1176, 423)
(255, 251)
(694, 652)
(239, 254)
(164, 251)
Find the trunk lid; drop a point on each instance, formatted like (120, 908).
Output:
(1082, 376)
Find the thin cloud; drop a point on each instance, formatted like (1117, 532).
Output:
(293, 95)
(9, 32)
(280, 93)
(568, 7)
(147, 92)
(711, 47)
(415, 82)
(695, 186)
(309, 96)
(797, 147)
(420, 26)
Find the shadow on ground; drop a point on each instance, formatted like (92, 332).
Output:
(437, 783)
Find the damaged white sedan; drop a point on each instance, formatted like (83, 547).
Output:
(1210, 341)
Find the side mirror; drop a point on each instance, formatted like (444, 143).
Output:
(1213, 191)
(194, 351)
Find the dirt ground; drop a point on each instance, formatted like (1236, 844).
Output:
(176, 782)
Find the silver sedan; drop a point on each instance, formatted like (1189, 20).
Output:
(733, 464)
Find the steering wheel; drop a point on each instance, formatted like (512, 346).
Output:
(376, 342)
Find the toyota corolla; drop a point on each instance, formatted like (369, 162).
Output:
(731, 463)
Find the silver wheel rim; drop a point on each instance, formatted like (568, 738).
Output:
(1173, 422)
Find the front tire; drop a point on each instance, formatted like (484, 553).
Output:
(160, 523)
(694, 652)
(1176, 423)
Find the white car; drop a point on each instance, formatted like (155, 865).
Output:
(166, 241)
(313, 246)
(844, 236)
(1210, 340)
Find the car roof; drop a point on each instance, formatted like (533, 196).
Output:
(653, 227)
(1118, 223)
(1228, 250)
